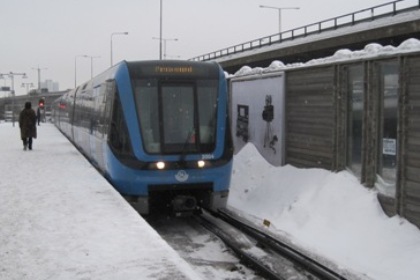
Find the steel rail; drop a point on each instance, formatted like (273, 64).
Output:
(281, 248)
(249, 260)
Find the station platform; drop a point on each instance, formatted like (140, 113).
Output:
(60, 219)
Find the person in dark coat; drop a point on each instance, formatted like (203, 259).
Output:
(38, 115)
(27, 124)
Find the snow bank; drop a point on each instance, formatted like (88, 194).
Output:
(328, 213)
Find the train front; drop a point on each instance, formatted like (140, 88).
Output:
(177, 120)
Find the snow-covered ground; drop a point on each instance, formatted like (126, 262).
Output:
(59, 219)
(60, 225)
(329, 214)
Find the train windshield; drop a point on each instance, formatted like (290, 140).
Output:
(177, 117)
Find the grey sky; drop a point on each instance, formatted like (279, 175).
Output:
(51, 33)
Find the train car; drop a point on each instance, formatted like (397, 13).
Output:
(157, 130)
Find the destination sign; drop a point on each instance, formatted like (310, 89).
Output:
(171, 69)
(174, 69)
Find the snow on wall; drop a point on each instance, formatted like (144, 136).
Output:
(370, 51)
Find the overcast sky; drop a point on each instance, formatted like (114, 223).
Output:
(49, 34)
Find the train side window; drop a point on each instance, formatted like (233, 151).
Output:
(207, 109)
(95, 121)
(146, 94)
(387, 128)
(355, 119)
(118, 137)
(77, 107)
(109, 96)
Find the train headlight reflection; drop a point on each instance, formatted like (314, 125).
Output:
(160, 165)
(201, 163)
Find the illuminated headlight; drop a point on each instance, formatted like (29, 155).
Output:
(160, 165)
(201, 163)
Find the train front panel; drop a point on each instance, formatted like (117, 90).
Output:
(179, 144)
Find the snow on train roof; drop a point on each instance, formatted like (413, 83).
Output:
(372, 50)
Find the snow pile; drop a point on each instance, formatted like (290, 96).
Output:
(328, 213)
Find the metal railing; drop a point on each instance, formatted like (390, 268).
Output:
(384, 10)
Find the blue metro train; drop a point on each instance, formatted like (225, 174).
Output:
(157, 130)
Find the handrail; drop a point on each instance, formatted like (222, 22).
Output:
(310, 29)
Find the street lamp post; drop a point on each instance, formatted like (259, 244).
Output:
(39, 77)
(160, 31)
(164, 44)
(2, 78)
(12, 91)
(75, 68)
(91, 65)
(27, 85)
(116, 33)
(280, 9)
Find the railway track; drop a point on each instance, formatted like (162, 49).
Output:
(242, 246)
(256, 254)
(203, 250)
(280, 252)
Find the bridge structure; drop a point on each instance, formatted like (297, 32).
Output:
(11, 106)
(387, 24)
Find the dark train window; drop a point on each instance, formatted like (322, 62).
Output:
(387, 128)
(207, 110)
(177, 117)
(178, 113)
(118, 137)
(355, 119)
(146, 93)
(109, 96)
